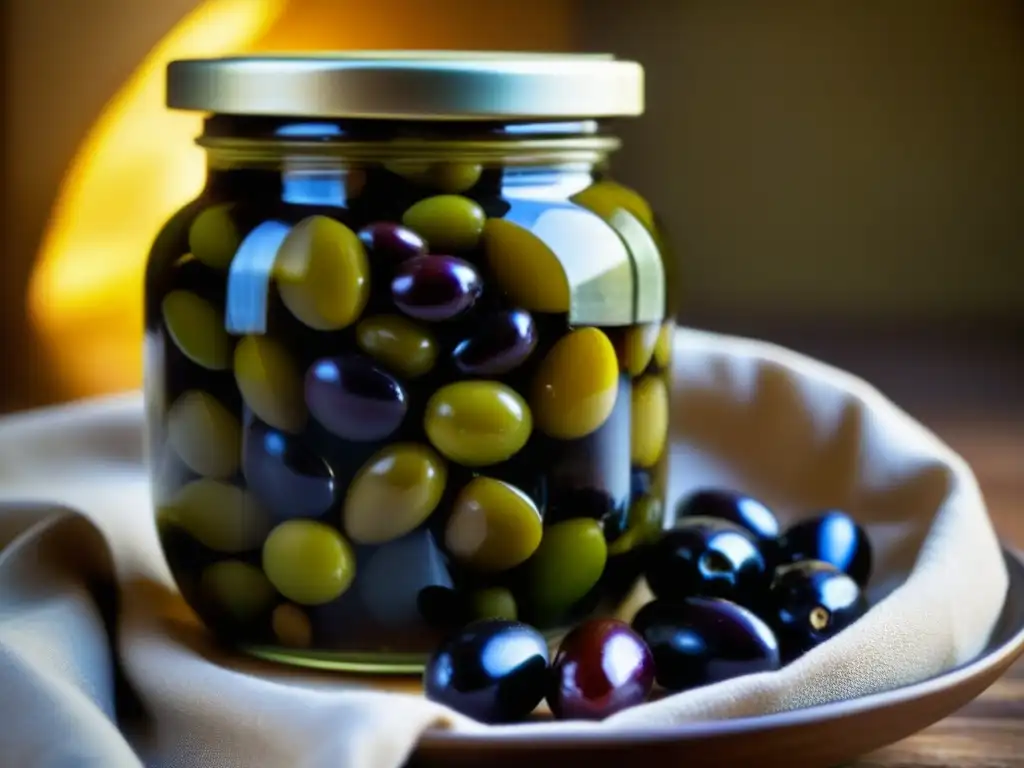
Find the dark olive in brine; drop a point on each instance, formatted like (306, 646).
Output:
(500, 343)
(833, 537)
(285, 475)
(494, 670)
(735, 507)
(602, 667)
(707, 557)
(700, 641)
(809, 602)
(390, 244)
(354, 399)
(435, 288)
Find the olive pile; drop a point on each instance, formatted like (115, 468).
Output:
(418, 439)
(732, 597)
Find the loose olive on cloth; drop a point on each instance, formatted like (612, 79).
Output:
(75, 520)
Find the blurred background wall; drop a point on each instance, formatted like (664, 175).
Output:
(821, 166)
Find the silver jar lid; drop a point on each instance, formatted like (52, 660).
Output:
(410, 85)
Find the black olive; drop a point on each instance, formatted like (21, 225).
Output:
(833, 537)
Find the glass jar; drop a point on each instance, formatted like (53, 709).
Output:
(407, 354)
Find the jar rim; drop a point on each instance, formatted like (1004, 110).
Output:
(410, 85)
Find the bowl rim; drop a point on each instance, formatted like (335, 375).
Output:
(991, 657)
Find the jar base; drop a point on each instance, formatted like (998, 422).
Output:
(341, 661)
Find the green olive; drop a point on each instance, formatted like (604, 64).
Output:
(567, 565)
(663, 347)
(527, 270)
(606, 197)
(222, 517)
(493, 525)
(446, 222)
(270, 383)
(493, 603)
(576, 385)
(213, 237)
(291, 626)
(649, 420)
(308, 562)
(453, 177)
(638, 347)
(393, 493)
(237, 590)
(323, 274)
(645, 523)
(197, 328)
(400, 344)
(205, 434)
(476, 423)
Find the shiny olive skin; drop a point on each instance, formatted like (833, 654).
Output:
(833, 537)
(435, 288)
(602, 667)
(707, 557)
(493, 670)
(735, 507)
(809, 602)
(354, 399)
(389, 243)
(285, 475)
(502, 342)
(700, 641)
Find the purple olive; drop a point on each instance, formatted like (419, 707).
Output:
(601, 668)
(701, 641)
(391, 243)
(285, 475)
(354, 399)
(435, 287)
(500, 344)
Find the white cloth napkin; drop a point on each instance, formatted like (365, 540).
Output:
(86, 683)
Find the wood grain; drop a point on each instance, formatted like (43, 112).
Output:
(989, 732)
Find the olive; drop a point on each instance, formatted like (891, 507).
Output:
(493, 526)
(393, 492)
(476, 423)
(270, 383)
(735, 507)
(637, 347)
(353, 399)
(663, 347)
(493, 603)
(602, 667)
(197, 328)
(446, 222)
(700, 641)
(452, 177)
(495, 671)
(526, 269)
(213, 237)
(322, 273)
(501, 343)
(286, 475)
(707, 557)
(291, 626)
(643, 527)
(576, 385)
(648, 420)
(435, 287)
(606, 197)
(833, 537)
(205, 434)
(222, 517)
(567, 564)
(392, 577)
(398, 343)
(809, 602)
(237, 591)
(389, 243)
(308, 562)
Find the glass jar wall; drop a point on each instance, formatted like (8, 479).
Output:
(402, 374)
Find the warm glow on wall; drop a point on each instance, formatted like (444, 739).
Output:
(138, 164)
